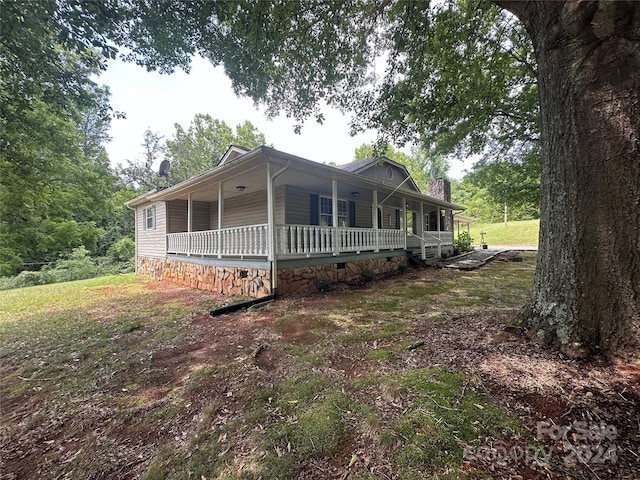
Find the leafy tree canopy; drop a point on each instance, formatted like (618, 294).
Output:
(458, 75)
(200, 147)
(56, 179)
(515, 184)
(191, 152)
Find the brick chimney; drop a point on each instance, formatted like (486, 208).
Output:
(439, 188)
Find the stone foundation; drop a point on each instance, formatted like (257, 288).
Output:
(303, 279)
(256, 283)
(248, 282)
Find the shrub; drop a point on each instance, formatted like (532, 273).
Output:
(10, 262)
(77, 266)
(367, 274)
(463, 243)
(28, 279)
(323, 284)
(122, 251)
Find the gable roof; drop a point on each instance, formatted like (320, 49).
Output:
(259, 154)
(360, 166)
(233, 152)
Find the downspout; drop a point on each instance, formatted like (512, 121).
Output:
(272, 227)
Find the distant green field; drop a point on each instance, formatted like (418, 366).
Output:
(515, 233)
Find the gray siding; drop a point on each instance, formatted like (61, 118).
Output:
(177, 216)
(280, 204)
(202, 216)
(389, 217)
(297, 206)
(381, 173)
(363, 215)
(152, 242)
(246, 209)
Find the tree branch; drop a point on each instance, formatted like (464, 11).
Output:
(518, 8)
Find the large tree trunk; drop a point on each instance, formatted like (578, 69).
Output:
(586, 294)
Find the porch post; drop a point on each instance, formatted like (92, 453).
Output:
(404, 222)
(270, 217)
(423, 251)
(189, 222)
(439, 212)
(334, 215)
(374, 217)
(220, 214)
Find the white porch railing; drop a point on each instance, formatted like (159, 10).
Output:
(241, 241)
(312, 239)
(294, 240)
(433, 239)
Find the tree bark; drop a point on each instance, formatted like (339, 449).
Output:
(586, 296)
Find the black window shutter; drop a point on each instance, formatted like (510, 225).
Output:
(352, 213)
(314, 209)
(397, 219)
(414, 227)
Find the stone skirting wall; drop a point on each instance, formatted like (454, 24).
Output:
(248, 282)
(299, 280)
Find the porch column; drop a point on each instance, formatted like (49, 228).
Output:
(334, 215)
(220, 214)
(439, 213)
(423, 252)
(374, 217)
(270, 222)
(189, 222)
(404, 222)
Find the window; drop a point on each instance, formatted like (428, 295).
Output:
(326, 212)
(149, 218)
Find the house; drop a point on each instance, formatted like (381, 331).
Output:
(264, 220)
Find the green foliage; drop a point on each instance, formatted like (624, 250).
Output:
(143, 174)
(422, 165)
(199, 148)
(55, 174)
(123, 250)
(514, 183)
(78, 265)
(463, 242)
(367, 274)
(323, 284)
(28, 279)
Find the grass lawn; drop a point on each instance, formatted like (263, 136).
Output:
(515, 233)
(411, 377)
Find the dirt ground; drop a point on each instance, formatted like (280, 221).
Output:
(583, 414)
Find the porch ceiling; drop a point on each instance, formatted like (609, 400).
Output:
(252, 179)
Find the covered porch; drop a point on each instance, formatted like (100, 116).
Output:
(279, 209)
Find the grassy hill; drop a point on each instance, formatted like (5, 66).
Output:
(515, 233)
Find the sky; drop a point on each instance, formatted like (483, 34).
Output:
(155, 101)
